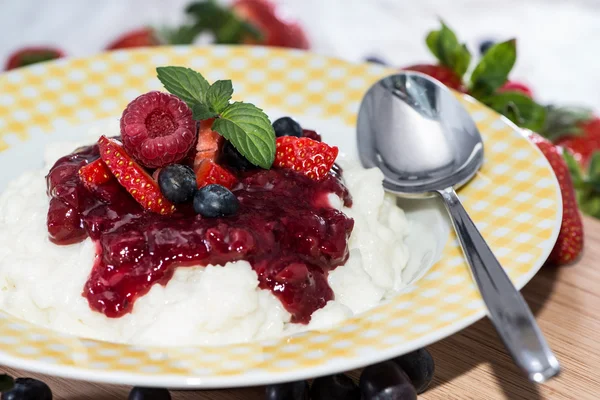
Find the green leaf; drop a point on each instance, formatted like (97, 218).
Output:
(226, 26)
(573, 166)
(6, 382)
(248, 128)
(202, 111)
(187, 84)
(185, 34)
(450, 53)
(594, 168)
(564, 121)
(219, 94)
(432, 41)
(493, 69)
(519, 108)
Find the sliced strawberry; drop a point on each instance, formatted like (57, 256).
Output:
(143, 37)
(95, 174)
(133, 177)
(307, 156)
(208, 172)
(209, 143)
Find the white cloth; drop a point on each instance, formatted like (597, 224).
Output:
(557, 38)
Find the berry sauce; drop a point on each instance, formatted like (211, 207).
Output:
(285, 228)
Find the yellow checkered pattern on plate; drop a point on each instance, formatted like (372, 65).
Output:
(514, 200)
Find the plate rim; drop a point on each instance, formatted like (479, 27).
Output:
(341, 365)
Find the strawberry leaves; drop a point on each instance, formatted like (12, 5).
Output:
(246, 126)
(493, 69)
(587, 184)
(519, 108)
(445, 47)
(564, 121)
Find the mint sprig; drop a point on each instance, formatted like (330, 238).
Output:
(246, 126)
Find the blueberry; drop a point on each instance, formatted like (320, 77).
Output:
(288, 391)
(233, 159)
(485, 46)
(376, 60)
(215, 201)
(140, 393)
(386, 381)
(28, 389)
(286, 126)
(177, 183)
(419, 367)
(334, 387)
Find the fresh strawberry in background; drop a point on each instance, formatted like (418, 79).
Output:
(488, 82)
(137, 38)
(276, 28)
(570, 238)
(245, 22)
(32, 55)
(443, 74)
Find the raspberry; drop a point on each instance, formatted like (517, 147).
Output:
(158, 129)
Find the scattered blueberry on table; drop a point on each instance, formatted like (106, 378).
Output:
(334, 387)
(140, 393)
(419, 367)
(286, 126)
(28, 389)
(386, 381)
(215, 201)
(288, 391)
(177, 182)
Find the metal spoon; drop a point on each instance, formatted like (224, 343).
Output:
(425, 143)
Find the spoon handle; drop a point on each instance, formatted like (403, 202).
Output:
(508, 310)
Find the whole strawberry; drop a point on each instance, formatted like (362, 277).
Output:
(570, 238)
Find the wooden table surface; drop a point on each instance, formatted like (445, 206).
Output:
(473, 364)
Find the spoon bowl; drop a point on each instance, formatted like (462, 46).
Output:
(420, 138)
(416, 131)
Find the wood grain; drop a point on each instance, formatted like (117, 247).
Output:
(473, 364)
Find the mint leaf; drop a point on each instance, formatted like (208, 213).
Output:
(187, 84)
(248, 128)
(519, 108)
(493, 69)
(219, 94)
(6, 382)
(202, 111)
(450, 53)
